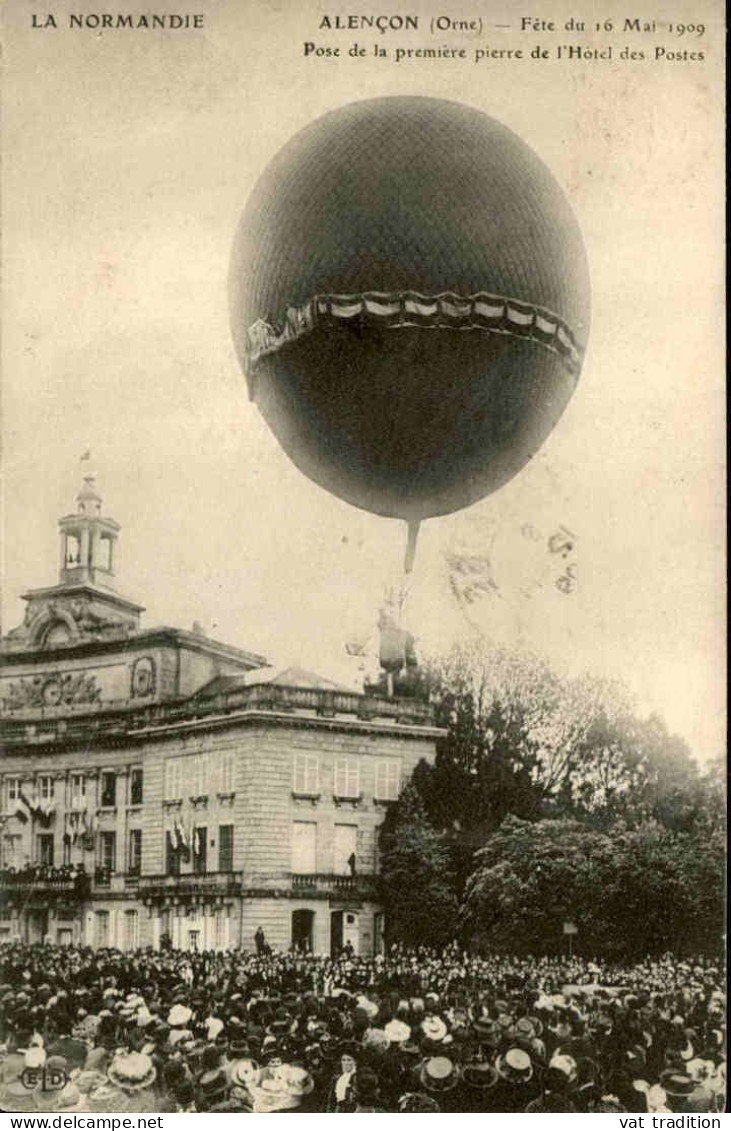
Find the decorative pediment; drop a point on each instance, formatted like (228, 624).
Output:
(60, 622)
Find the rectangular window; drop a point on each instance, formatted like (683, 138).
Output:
(78, 790)
(225, 848)
(102, 928)
(134, 863)
(387, 780)
(346, 838)
(304, 848)
(306, 777)
(200, 851)
(173, 779)
(109, 789)
(130, 930)
(221, 927)
(197, 784)
(107, 851)
(45, 849)
(12, 792)
(135, 787)
(347, 778)
(227, 772)
(172, 856)
(45, 788)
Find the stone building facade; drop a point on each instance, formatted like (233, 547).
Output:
(156, 784)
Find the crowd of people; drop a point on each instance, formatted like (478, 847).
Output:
(44, 874)
(87, 1030)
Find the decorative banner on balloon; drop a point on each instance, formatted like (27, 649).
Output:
(409, 301)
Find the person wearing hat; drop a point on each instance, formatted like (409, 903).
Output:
(517, 1084)
(363, 1094)
(439, 1077)
(477, 1085)
(212, 1088)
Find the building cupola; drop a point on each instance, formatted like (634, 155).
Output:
(88, 540)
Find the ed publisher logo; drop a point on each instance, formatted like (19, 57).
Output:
(50, 1077)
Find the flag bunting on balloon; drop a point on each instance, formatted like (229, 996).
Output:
(495, 314)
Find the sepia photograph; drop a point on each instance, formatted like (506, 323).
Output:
(362, 641)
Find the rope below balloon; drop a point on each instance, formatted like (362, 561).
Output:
(411, 537)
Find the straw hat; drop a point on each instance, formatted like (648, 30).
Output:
(179, 1016)
(439, 1074)
(515, 1066)
(434, 1028)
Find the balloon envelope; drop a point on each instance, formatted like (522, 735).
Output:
(409, 301)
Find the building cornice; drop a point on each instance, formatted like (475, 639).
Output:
(162, 636)
(258, 705)
(82, 589)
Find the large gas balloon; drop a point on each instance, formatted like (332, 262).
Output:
(409, 302)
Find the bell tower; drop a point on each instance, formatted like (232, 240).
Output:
(84, 605)
(88, 541)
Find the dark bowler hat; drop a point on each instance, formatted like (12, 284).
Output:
(676, 1083)
(213, 1085)
(480, 1074)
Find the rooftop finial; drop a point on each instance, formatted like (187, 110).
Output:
(89, 501)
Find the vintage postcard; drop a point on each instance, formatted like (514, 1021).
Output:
(362, 659)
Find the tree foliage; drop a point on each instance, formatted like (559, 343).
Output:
(574, 804)
(636, 892)
(417, 887)
(522, 739)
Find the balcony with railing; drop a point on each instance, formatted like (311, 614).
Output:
(315, 885)
(44, 880)
(201, 885)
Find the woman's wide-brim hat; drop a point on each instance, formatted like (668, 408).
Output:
(515, 1066)
(298, 1081)
(376, 1041)
(15, 1097)
(245, 1072)
(111, 1098)
(397, 1032)
(116, 1074)
(439, 1074)
(68, 1100)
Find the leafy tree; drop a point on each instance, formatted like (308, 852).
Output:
(416, 883)
(635, 892)
(532, 876)
(522, 739)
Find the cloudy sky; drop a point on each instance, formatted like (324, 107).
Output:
(128, 156)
